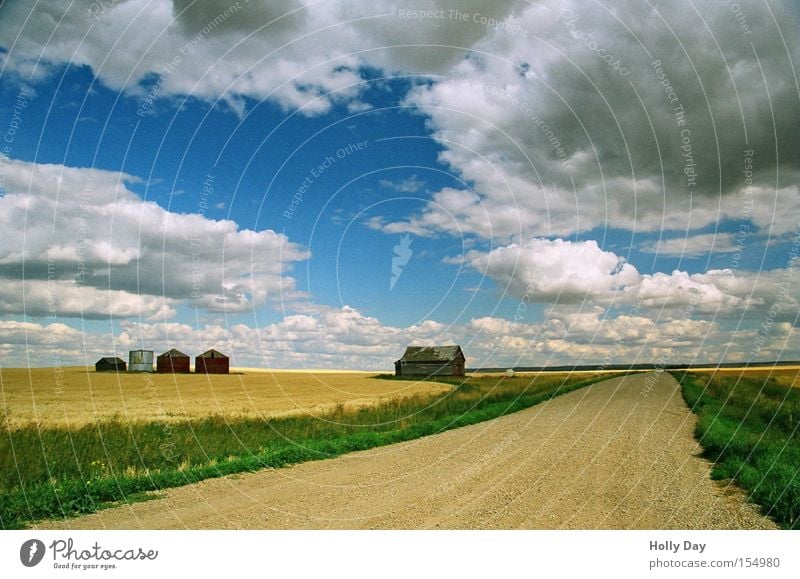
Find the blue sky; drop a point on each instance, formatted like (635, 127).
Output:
(244, 177)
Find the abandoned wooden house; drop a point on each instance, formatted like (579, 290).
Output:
(431, 361)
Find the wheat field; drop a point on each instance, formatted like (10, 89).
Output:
(76, 396)
(788, 376)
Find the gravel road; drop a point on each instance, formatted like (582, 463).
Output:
(617, 455)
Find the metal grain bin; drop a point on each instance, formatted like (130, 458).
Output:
(140, 361)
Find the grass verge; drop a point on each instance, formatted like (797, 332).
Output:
(750, 429)
(60, 472)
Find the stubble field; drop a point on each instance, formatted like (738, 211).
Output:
(788, 376)
(76, 396)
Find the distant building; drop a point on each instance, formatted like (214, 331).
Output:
(140, 361)
(431, 361)
(110, 364)
(172, 362)
(212, 362)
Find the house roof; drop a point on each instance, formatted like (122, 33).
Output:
(212, 354)
(173, 353)
(432, 354)
(110, 360)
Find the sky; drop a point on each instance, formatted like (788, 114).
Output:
(319, 184)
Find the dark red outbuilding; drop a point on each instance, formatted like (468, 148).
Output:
(212, 362)
(172, 362)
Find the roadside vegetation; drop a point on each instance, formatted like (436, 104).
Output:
(750, 428)
(48, 472)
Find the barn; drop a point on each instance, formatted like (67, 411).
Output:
(110, 364)
(172, 362)
(212, 362)
(140, 361)
(431, 361)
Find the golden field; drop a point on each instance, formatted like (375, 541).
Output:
(785, 375)
(75, 396)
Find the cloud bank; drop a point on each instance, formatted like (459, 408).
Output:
(79, 243)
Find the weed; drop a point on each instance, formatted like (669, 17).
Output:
(750, 428)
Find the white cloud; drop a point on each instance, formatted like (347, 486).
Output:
(211, 50)
(90, 246)
(410, 184)
(554, 138)
(65, 298)
(692, 245)
(567, 272)
(322, 337)
(555, 271)
(555, 141)
(550, 137)
(24, 344)
(303, 55)
(343, 337)
(679, 289)
(14, 332)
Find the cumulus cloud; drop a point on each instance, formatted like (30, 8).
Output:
(210, 50)
(36, 344)
(343, 337)
(303, 55)
(620, 118)
(692, 245)
(555, 271)
(679, 289)
(320, 337)
(564, 115)
(79, 242)
(567, 272)
(65, 298)
(15, 332)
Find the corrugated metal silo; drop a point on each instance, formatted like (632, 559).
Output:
(140, 361)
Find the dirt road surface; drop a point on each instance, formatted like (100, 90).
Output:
(617, 455)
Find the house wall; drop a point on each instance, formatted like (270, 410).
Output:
(430, 369)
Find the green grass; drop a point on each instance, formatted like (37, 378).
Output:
(58, 472)
(750, 429)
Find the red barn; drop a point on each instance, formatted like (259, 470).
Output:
(172, 362)
(212, 362)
